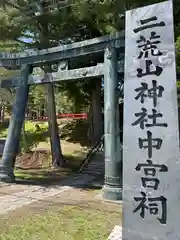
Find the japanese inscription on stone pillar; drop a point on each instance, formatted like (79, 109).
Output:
(151, 163)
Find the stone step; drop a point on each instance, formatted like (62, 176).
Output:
(93, 172)
(95, 167)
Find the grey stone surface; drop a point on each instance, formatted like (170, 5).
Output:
(32, 194)
(147, 225)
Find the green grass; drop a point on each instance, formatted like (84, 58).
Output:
(27, 175)
(66, 223)
(30, 127)
(34, 135)
(42, 175)
(37, 138)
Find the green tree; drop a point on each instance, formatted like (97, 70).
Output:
(83, 19)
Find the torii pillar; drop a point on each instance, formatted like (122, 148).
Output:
(113, 153)
(11, 147)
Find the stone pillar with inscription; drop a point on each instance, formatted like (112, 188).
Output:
(113, 184)
(14, 131)
(151, 159)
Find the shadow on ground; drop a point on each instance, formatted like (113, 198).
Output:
(76, 132)
(67, 176)
(49, 176)
(56, 179)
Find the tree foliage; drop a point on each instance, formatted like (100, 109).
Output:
(21, 22)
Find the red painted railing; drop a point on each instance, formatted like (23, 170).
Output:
(72, 115)
(65, 116)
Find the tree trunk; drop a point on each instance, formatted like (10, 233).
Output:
(57, 156)
(42, 111)
(24, 138)
(96, 113)
(3, 113)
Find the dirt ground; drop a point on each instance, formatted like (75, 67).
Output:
(40, 157)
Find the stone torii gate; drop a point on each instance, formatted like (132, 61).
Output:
(112, 46)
